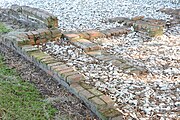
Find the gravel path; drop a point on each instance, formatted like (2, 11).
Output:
(155, 95)
(90, 14)
(68, 105)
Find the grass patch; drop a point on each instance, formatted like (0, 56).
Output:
(3, 28)
(20, 100)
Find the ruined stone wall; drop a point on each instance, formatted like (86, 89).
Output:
(26, 16)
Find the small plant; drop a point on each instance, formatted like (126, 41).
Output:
(3, 28)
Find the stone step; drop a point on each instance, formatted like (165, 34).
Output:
(86, 45)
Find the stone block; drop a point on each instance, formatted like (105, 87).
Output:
(140, 26)
(125, 66)
(107, 33)
(71, 36)
(106, 58)
(59, 67)
(97, 103)
(120, 117)
(65, 75)
(95, 92)
(137, 71)
(38, 55)
(107, 100)
(87, 45)
(137, 18)
(50, 61)
(29, 48)
(117, 62)
(118, 19)
(55, 33)
(85, 85)
(85, 95)
(95, 34)
(47, 59)
(54, 64)
(154, 31)
(84, 35)
(22, 42)
(95, 53)
(109, 113)
(129, 23)
(75, 78)
(114, 32)
(76, 88)
(65, 71)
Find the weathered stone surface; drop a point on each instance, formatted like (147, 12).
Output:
(95, 92)
(170, 11)
(117, 62)
(43, 57)
(55, 64)
(66, 71)
(94, 53)
(84, 35)
(118, 19)
(97, 102)
(76, 88)
(55, 33)
(94, 34)
(155, 31)
(152, 26)
(106, 58)
(85, 85)
(107, 100)
(36, 14)
(106, 33)
(110, 113)
(137, 18)
(71, 36)
(50, 61)
(117, 31)
(67, 74)
(125, 66)
(120, 117)
(47, 59)
(59, 67)
(86, 45)
(136, 71)
(22, 42)
(29, 48)
(38, 55)
(84, 94)
(74, 78)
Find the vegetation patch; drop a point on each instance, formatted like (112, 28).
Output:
(3, 28)
(20, 100)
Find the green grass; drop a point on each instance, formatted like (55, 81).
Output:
(3, 28)
(20, 100)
